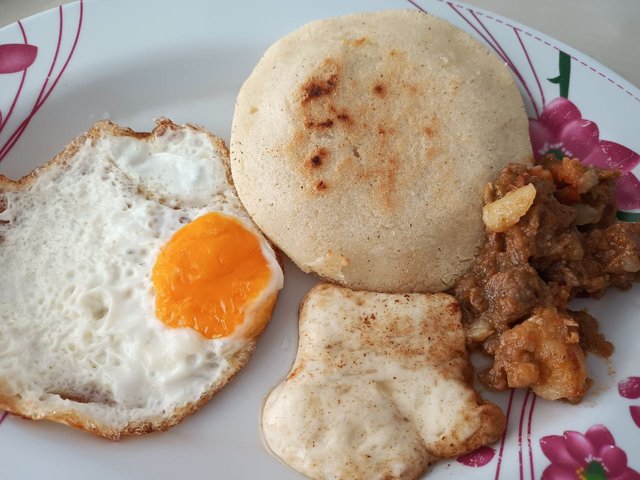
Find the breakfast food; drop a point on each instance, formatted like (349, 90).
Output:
(359, 144)
(133, 285)
(566, 243)
(380, 388)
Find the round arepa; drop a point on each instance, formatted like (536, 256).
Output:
(361, 146)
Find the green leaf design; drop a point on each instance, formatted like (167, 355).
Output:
(628, 216)
(594, 471)
(558, 153)
(564, 65)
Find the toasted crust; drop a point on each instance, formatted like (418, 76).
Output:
(31, 410)
(106, 127)
(71, 418)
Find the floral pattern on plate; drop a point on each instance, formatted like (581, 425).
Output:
(592, 456)
(561, 130)
(521, 436)
(16, 58)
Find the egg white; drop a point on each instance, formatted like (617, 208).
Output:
(77, 303)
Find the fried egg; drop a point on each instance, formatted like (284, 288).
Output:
(133, 284)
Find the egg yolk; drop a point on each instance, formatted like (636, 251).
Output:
(208, 274)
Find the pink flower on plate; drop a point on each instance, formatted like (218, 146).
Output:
(478, 457)
(634, 410)
(561, 130)
(15, 57)
(629, 387)
(592, 456)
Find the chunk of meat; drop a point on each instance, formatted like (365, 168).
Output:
(611, 257)
(511, 294)
(616, 250)
(544, 354)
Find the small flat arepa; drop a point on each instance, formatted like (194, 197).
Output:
(380, 388)
(361, 145)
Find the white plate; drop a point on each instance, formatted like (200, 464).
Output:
(135, 61)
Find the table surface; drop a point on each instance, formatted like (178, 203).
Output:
(606, 30)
